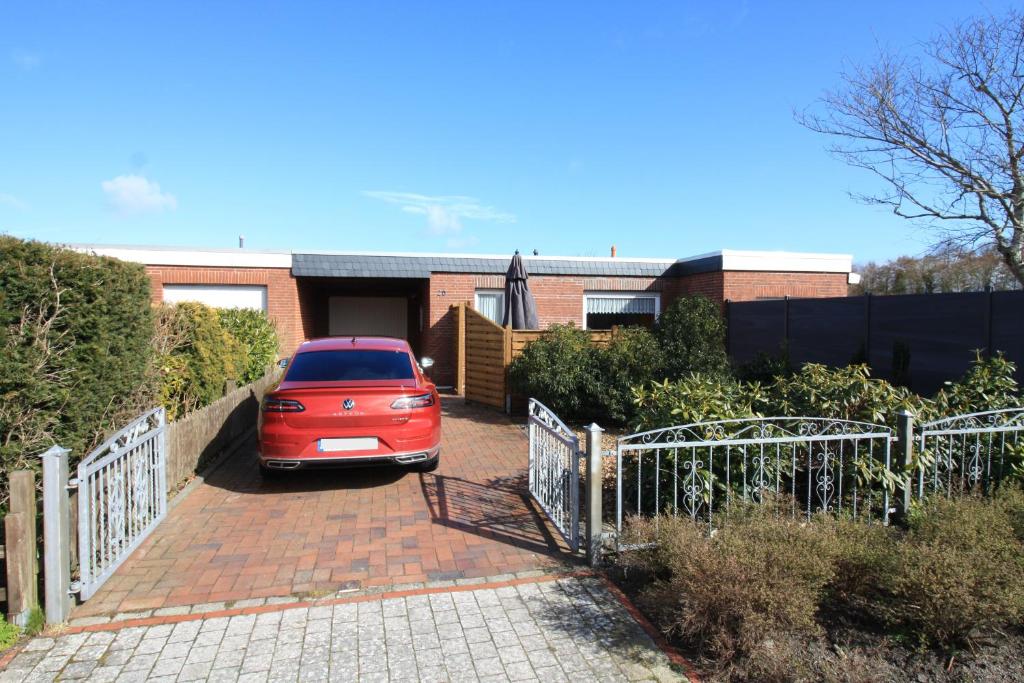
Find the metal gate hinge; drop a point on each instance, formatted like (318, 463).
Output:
(72, 484)
(75, 588)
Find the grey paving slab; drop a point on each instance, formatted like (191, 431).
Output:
(570, 628)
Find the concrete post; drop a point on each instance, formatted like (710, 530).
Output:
(594, 511)
(56, 535)
(905, 456)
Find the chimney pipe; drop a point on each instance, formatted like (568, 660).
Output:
(241, 241)
(613, 251)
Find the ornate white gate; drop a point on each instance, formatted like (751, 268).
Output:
(122, 496)
(555, 471)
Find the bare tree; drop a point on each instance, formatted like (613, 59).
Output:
(941, 271)
(944, 131)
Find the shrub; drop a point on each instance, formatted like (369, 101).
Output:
(864, 557)
(989, 384)
(848, 393)
(692, 336)
(695, 398)
(8, 634)
(765, 367)
(1010, 499)
(257, 336)
(761, 575)
(558, 370)
(631, 359)
(960, 570)
(75, 334)
(196, 356)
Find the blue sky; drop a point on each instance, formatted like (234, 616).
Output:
(663, 128)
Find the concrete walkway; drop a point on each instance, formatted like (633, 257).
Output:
(541, 629)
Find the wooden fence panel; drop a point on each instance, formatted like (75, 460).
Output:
(486, 349)
(489, 349)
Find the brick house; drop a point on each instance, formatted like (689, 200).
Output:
(314, 294)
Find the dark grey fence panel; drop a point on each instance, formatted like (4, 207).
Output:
(756, 326)
(828, 331)
(939, 331)
(1008, 327)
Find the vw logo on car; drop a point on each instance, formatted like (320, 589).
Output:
(348, 404)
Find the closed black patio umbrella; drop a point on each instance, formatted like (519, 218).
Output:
(520, 308)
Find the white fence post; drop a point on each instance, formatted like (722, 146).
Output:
(56, 535)
(594, 523)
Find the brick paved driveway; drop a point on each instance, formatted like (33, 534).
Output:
(235, 538)
(534, 630)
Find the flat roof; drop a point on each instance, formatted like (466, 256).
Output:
(421, 265)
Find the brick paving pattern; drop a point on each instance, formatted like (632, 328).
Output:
(235, 538)
(548, 630)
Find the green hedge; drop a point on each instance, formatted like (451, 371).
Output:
(256, 334)
(75, 332)
(199, 350)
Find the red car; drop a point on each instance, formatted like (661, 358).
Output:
(351, 401)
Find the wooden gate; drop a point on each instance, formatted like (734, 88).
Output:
(488, 352)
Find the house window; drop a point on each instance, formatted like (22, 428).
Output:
(605, 311)
(490, 303)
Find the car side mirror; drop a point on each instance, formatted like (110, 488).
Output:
(283, 363)
(426, 362)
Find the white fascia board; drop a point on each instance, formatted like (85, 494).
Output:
(786, 261)
(170, 256)
(496, 257)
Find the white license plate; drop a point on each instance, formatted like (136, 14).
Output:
(363, 443)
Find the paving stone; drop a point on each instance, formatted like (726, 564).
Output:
(550, 631)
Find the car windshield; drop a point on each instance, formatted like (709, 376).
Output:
(354, 365)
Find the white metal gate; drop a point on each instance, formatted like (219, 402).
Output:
(122, 496)
(555, 471)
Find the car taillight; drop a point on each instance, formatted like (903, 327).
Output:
(421, 401)
(282, 405)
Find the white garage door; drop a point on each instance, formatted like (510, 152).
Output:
(219, 296)
(368, 316)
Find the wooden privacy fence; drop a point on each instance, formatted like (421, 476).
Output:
(484, 352)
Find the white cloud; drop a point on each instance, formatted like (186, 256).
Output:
(12, 201)
(26, 60)
(134, 194)
(445, 213)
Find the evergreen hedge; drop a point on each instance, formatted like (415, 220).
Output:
(75, 333)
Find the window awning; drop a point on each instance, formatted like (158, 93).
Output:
(621, 304)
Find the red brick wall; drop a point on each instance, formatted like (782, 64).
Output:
(282, 293)
(559, 298)
(444, 291)
(748, 286)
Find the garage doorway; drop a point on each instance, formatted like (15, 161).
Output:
(339, 307)
(368, 316)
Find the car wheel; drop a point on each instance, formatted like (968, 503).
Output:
(429, 465)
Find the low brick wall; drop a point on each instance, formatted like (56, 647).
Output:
(200, 438)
